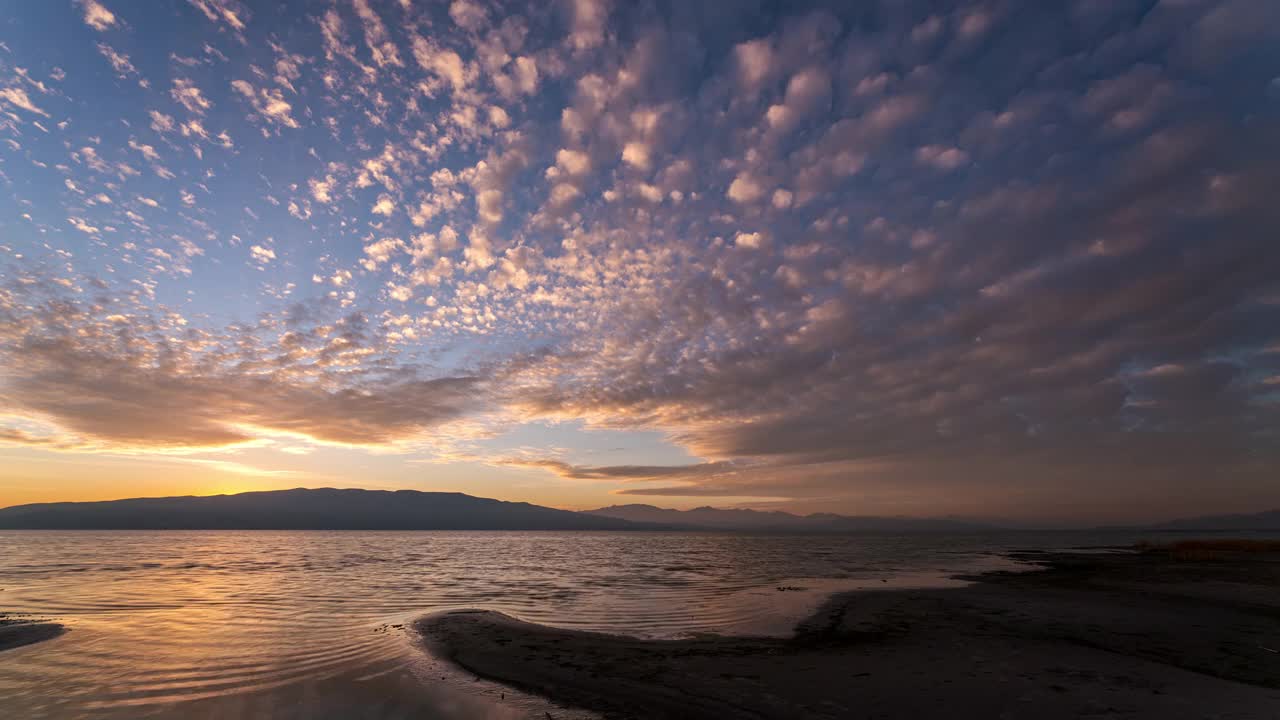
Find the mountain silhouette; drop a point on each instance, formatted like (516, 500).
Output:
(1267, 520)
(303, 509)
(710, 518)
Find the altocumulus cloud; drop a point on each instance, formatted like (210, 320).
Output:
(125, 382)
(969, 255)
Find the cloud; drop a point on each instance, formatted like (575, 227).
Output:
(807, 91)
(929, 263)
(1026, 365)
(447, 65)
(119, 61)
(96, 15)
(573, 162)
(160, 122)
(563, 194)
(628, 473)
(402, 293)
(755, 61)
(321, 189)
(379, 252)
(589, 18)
(268, 103)
(69, 370)
(384, 206)
(18, 97)
(745, 189)
(468, 15)
(333, 37)
(384, 51)
(232, 13)
(188, 95)
(82, 226)
(261, 255)
(941, 157)
(1223, 29)
(637, 155)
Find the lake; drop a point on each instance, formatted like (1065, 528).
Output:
(190, 624)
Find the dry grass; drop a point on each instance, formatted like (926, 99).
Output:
(1214, 549)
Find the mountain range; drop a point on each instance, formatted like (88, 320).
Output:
(351, 509)
(709, 518)
(1266, 520)
(301, 509)
(332, 509)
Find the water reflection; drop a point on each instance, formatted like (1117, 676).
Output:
(302, 624)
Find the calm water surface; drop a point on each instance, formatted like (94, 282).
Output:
(304, 624)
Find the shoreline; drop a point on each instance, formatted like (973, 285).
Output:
(1136, 635)
(17, 631)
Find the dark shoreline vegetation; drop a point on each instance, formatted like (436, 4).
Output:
(19, 630)
(1186, 630)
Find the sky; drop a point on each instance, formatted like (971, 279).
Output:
(990, 259)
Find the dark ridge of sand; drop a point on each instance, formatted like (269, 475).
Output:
(1088, 635)
(16, 631)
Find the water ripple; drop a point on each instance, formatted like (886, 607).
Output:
(159, 619)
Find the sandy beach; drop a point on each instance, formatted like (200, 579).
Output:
(1136, 635)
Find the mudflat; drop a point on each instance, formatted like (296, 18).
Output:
(16, 631)
(1157, 634)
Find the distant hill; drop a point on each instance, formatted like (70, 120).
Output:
(300, 509)
(1268, 520)
(709, 518)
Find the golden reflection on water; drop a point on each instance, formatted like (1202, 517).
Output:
(302, 624)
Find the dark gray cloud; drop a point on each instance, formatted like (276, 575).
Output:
(1089, 282)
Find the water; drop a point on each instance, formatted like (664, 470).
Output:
(303, 624)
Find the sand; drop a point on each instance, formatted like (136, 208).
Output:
(1089, 635)
(16, 631)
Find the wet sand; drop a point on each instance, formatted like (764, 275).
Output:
(1088, 635)
(16, 631)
